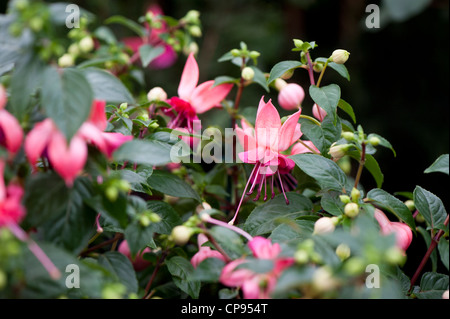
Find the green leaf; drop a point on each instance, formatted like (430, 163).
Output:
(259, 266)
(224, 79)
(67, 99)
(332, 204)
(443, 248)
(107, 86)
(440, 165)
(383, 142)
(293, 232)
(226, 57)
(121, 268)
(148, 152)
(432, 286)
(208, 270)
(280, 68)
(392, 204)
(427, 237)
(430, 207)
(327, 97)
(322, 135)
(339, 68)
(137, 182)
(169, 217)
(138, 237)
(266, 217)
(130, 24)
(148, 53)
(326, 172)
(230, 241)
(260, 78)
(371, 165)
(182, 270)
(347, 108)
(172, 185)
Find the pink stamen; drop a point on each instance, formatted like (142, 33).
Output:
(282, 188)
(260, 188)
(273, 192)
(97, 222)
(205, 217)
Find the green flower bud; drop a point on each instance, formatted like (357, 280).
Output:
(410, 204)
(338, 151)
(248, 73)
(154, 218)
(112, 193)
(345, 199)
(345, 164)
(419, 218)
(181, 234)
(355, 194)
(254, 54)
(343, 251)
(21, 4)
(355, 266)
(74, 49)
(318, 67)
(340, 56)
(351, 210)
(301, 256)
(123, 106)
(235, 52)
(195, 31)
(36, 24)
(154, 125)
(192, 16)
(86, 44)
(349, 136)
(298, 43)
(123, 185)
(374, 141)
(113, 291)
(144, 220)
(395, 256)
(67, 60)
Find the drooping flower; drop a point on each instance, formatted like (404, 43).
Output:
(256, 285)
(11, 134)
(68, 159)
(204, 252)
(168, 57)
(403, 233)
(318, 112)
(138, 262)
(291, 96)
(193, 99)
(265, 146)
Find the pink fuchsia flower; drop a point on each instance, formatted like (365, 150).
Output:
(204, 252)
(168, 57)
(318, 112)
(256, 285)
(403, 233)
(139, 263)
(11, 209)
(291, 96)
(11, 134)
(193, 99)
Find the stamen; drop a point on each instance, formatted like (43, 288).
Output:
(260, 188)
(265, 187)
(273, 192)
(282, 188)
(254, 181)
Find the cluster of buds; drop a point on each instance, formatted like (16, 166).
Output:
(351, 202)
(114, 186)
(305, 253)
(182, 233)
(83, 43)
(245, 53)
(325, 225)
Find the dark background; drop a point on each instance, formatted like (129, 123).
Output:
(399, 85)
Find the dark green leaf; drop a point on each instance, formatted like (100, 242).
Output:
(260, 78)
(230, 241)
(138, 237)
(182, 270)
(266, 217)
(169, 217)
(432, 286)
(327, 97)
(444, 251)
(148, 152)
(392, 204)
(322, 135)
(224, 79)
(440, 165)
(172, 185)
(430, 207)
(148, 53)
(339, 68)
(208, 270)
(383, 142)
(326, 172)
(347, 108)
(371, 165)
(332, 204)
(121, 268)
(280, 68)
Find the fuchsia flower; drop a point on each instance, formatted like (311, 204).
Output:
(11, 209)
(193, 99)
(256, 285)
(264, 146)
(68, 160)
(11, 133)
(168, 57)
(291, 96)
(318, 112)
(403, 233)
(204, 252)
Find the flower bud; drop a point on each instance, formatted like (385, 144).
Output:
(36, 23)
(323, 281)
(181, 234)
(114, 290)
(338, 151)
(157, 94)
(86, 44)
(340, 56)
(395, 256)
(374, 141)
(318, 67)
(112, 193)
(74, 49)
(154, 218)
(195, 31)
(123, 106)
(301, 256)
(354, 266)
(66, 60)
(254, 54)
(280, 84)
(191, 48)
(144, 220)
(410, 204)
(298, 43)
(343, 251)
(351, 210)
(324, 225)
(349, 136)
(445, 294)
(291, 96)
(192, 16)
(318, 112)
(355, 194)
(288, 74)
(247, 73)
(235, 52)
(345, 199)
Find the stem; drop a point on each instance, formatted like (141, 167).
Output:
(310, 118)
(216, 245)
(321, 73)
(155, 271)
(422, 264)
(105, 243)
(310, 69)
(211, 220)
(362, 161)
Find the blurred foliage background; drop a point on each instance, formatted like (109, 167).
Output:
(399, 84)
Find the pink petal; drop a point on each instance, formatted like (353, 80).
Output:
(93, 135)
(251, 288)
(267, 125)
(289, 132)
(2, 181)
(205, 253)
(383, 221)
(67, 160)
(189, 78)
(205, 96)
(38, 139)
(246, 139)
(11, 209)
(252, 156)
(165, 59)
(403, 234)
(3, 97)
(133, 43)
(282, 263)
(299, 148)
(11, 130)
(98, 114)
(263, 248)
(114, 141)
(234, 278)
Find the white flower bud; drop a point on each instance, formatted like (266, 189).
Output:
(340, 56)
(324, 225)
(351, 210)
(66, 61)
(181, 234)
(343, 251)
(248, 73)
(157, 94)
(445, 294)
(323, 280)
(86, 44)
(338, 151)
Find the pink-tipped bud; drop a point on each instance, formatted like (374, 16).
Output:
(318, 112)
(291, 96)
(3, 97)
(139, 263)
(403, 233)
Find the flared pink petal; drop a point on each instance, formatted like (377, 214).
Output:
(299, 148)
(246, 139)
(189, 78)
(165, 59)
(267, 125)
(252, 156)
(3, 97)
(251, 288)
(133, 43)
(11, 209)
(289, 132)
(113, 141)
(37, 140)
(285, 165)
(98, 114)
(205, 253)
(282, 263)
(383, 221)
(12, 131)
(93, 135)
(205, 96)
(67, 160)
(262, 248)
(2, 181)
(234, 278)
